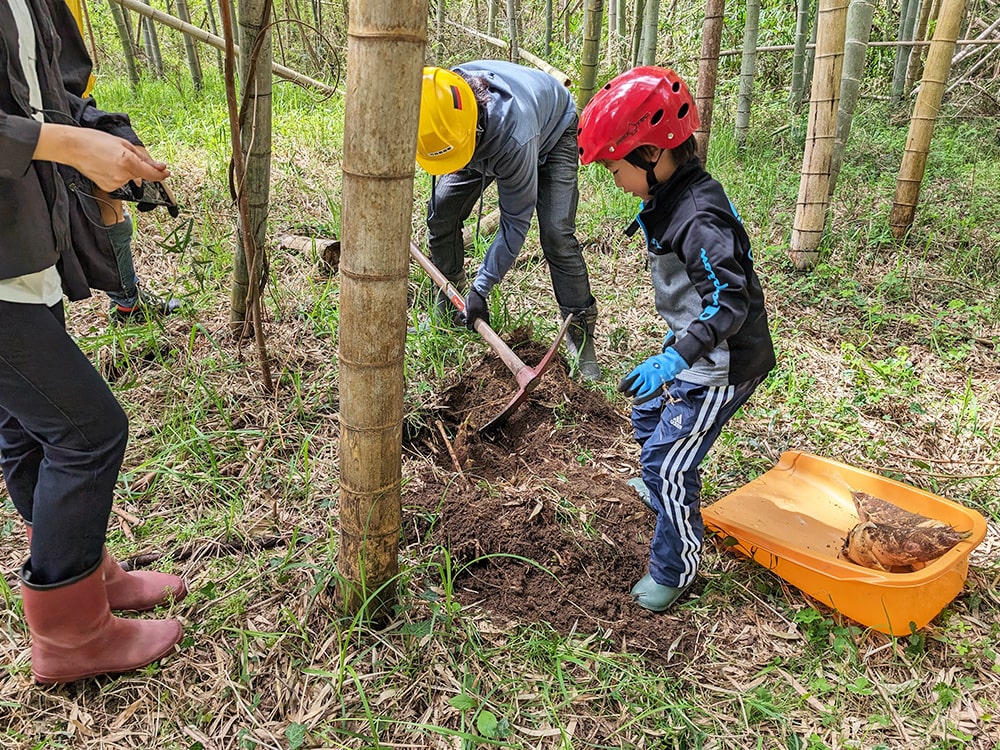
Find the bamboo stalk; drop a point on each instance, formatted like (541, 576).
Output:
(814, 186)
(748, 70)
(916, 67)
(907, 21)
(650, 26)
(591, 52)
(925, 113)
(385, 52)
(859, 26)
(708, 72)
(797, 84)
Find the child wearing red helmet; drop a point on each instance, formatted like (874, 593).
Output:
(717, 349)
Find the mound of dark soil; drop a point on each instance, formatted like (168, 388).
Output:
(538, 511)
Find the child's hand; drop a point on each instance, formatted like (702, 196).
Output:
(646, 381)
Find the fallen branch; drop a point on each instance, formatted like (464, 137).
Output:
(451, 451)
(538, 62)
(205, 549)
(219, 43)
(328, 249)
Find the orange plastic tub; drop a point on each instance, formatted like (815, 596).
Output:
(793, 520)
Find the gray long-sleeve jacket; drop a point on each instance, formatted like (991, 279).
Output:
(528, 111)
(34, 200)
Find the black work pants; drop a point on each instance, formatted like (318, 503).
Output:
(62, 440)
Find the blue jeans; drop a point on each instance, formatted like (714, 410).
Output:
(62, 440)
(676, 435)
(121, 240)
(455, 196)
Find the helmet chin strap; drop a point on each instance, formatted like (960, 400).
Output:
(647, 166)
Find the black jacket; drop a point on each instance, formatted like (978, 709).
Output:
(704, 281)
(46, 216)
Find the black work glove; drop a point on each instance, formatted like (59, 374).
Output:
(476, 307)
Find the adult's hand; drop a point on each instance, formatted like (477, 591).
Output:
(475, 307)
(106, 159)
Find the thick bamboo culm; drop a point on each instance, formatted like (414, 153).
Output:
(814, 185)
(385, 53)
(925, 114)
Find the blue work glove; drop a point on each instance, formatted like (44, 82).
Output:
(476, 307)
(646, 381)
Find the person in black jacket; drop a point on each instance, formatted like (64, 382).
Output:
(62, 432)
(717, 349)
(134, 302)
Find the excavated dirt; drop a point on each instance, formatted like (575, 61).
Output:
(538, 511)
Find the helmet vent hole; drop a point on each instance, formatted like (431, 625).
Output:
(682, 112)
(675, 86)
(657, 116)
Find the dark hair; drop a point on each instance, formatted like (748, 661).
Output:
(687, 151)
(481, 91)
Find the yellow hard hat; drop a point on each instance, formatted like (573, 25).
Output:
(448, 113)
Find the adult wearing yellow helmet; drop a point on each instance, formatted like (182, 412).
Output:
(490, 120)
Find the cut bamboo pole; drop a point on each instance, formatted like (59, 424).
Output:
(708, 73)
(925, 114)
(385, 54)
(814, 185)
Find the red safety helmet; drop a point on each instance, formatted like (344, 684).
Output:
(645, 106)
